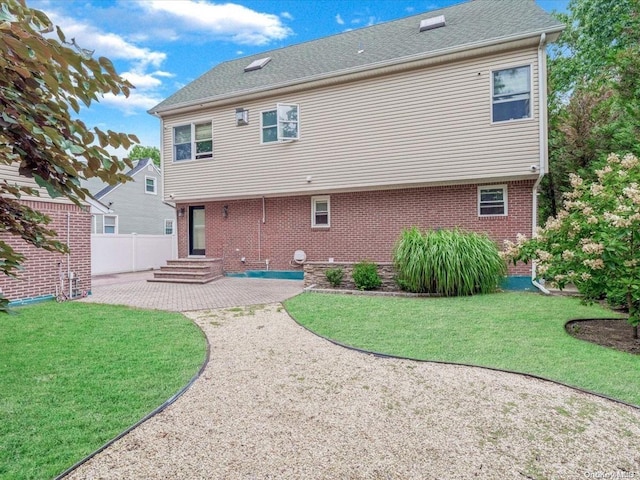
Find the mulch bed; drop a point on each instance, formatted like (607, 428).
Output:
(612, 333)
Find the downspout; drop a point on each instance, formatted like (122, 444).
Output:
(542, 103)
(69, 253)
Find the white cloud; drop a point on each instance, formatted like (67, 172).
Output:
(286, 15)
(339, 20)
(142, 81)
(131, 105)
(142, 63)
(106, 44)
(223, 21)
(160, 73)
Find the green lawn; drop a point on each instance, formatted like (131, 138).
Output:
(523, 332)
(74, 375)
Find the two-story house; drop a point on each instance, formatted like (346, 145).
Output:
(333, 146)
(136, 206)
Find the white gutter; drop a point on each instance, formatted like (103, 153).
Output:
(542, 103)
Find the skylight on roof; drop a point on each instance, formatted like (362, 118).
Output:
(431, 23)
(257, 64)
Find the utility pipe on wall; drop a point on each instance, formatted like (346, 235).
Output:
(68, 254)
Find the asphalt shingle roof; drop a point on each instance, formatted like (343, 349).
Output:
(473, 22)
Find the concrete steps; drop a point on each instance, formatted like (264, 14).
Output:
(189, 270)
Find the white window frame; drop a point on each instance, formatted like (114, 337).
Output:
(193, 142)
(279, 123)
(115, 224)
(314, 201)
(493, 96)
(155, 185)
(505, 200)
(173, 226)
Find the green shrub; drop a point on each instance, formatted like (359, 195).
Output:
(334, 276)
(365, 276)
(447, 262)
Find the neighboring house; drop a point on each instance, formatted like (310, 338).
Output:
(136, 206)
(333, 146)
(44, 272)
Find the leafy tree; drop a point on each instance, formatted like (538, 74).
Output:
(42, 80)
(139, 152)
(594, 91)
(594, 242)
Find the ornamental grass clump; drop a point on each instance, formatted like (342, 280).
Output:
(447, 262)
(594, 241)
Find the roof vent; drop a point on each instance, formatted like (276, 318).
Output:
(431, 23)
(257, 64)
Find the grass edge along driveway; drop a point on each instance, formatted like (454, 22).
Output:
(517, 331)
(74, 375)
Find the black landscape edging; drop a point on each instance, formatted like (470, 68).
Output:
(146, 417)
(494, 369)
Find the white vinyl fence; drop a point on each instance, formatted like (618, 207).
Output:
(131, 252)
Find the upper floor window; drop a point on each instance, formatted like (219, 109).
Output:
(281, 124)
(511, 94)
(320, 211)
(150, 185)
(110, 224)
(194, 141)
(492, 200)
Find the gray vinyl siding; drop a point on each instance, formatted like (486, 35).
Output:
(137, 211)
(422, 127)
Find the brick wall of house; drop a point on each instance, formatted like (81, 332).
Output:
(364, 225)
(41, 273)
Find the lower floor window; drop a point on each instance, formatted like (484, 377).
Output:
(492, 200)
(320, 212)
(168, 227)
(110, 224)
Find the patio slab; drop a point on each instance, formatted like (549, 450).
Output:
(133, 289)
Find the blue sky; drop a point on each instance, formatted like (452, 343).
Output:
(161, 45)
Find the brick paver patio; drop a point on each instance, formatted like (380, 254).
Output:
(134, 290)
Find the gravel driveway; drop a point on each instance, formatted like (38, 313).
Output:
(277, 402)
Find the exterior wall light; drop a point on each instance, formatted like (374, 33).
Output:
(225, 211)
(181, 212)
(242, 117)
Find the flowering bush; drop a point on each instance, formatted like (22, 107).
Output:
(594, 242)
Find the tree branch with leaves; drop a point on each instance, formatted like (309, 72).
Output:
(43, 82)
